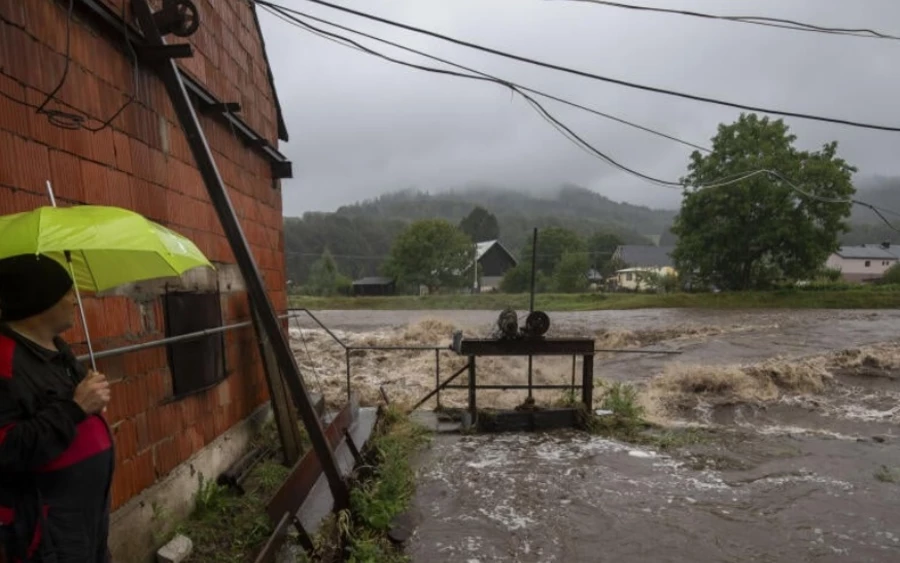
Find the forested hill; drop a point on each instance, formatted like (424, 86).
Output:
(360, 235)
(883, 192)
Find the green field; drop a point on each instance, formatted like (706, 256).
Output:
(880, 297)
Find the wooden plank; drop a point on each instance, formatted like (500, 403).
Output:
(527, 347)
(270, 550)
(284, 411)
(304, 474)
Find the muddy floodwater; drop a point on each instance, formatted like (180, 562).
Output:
(794, 453)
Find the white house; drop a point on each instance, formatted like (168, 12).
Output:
(865, 262)
(642, 259)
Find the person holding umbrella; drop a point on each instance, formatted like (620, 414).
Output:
(56, 451)
(56, 454)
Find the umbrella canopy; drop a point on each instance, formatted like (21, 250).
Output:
(109, 246)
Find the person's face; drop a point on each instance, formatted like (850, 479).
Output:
(62, 315)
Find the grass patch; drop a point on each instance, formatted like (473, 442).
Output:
(852, 297)
(228, 527)
(383, 489)
(627, 424)
(886, 474)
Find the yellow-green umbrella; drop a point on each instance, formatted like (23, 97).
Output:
(102, 247)
(109, 246)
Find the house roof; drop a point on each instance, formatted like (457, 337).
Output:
(868, 252)
(644, 255)
(374, 280)
(481, 249)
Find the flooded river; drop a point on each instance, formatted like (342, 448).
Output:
(797, 455)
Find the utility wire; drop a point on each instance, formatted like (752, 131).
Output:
(563, 128)
(71, 120)
(755, 20)
(585, 74)
(290, 20)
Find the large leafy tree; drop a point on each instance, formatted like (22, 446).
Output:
(481, 225)
(553, 242)
(571, 272)
(433, 253)
(325, 278)
(761, 229)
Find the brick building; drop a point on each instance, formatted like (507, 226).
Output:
(169, 404)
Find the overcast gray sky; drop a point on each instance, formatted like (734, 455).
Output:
(361, 126)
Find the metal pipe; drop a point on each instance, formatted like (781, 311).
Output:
(169, 340)
(347, 357)
(507, 387)
(218, 194)
(444, 385)
(637, 351)
(574, 358)
(437, 377)
(533, 268)
(322, 325)
(534, 242)
(398, 348)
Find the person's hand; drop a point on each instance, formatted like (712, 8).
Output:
(92, 394)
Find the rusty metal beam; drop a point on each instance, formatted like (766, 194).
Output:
(527, 347)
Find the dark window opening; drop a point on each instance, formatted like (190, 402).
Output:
(868, 263)
(195, 364)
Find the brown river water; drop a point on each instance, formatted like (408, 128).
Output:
(800, 460)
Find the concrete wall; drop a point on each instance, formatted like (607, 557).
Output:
(136, 527)
(142, 162)
(856, 269)
(628, 279)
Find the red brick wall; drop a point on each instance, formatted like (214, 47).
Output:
(142, 162)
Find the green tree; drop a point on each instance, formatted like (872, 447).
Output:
(518, 280)
(324, 276)
(892, 275)
(752, 233)
(433, 253)
(571, 272)
(481, 225)
(553, 243)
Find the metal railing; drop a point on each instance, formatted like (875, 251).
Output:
(349, 349)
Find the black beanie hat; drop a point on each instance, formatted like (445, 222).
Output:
(30, 284)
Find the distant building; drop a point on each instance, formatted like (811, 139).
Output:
(639, 260)
(374, 286)
(494, 261)
(863, 263)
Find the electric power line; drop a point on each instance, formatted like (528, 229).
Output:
(585, 74)
(862, 33)
(568, 133)
(563, 128)
(291, 20)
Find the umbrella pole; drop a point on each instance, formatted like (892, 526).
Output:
(84, 324)
(87, 334)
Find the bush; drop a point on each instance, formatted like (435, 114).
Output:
(892, 275)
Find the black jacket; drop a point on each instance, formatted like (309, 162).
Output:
(56, 463)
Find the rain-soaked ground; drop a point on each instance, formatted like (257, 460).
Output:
(803, 469)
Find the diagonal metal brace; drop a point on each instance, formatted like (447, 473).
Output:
(256, 288)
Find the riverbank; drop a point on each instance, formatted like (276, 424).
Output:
(883, 297)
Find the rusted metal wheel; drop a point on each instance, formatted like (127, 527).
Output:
(537, 323)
